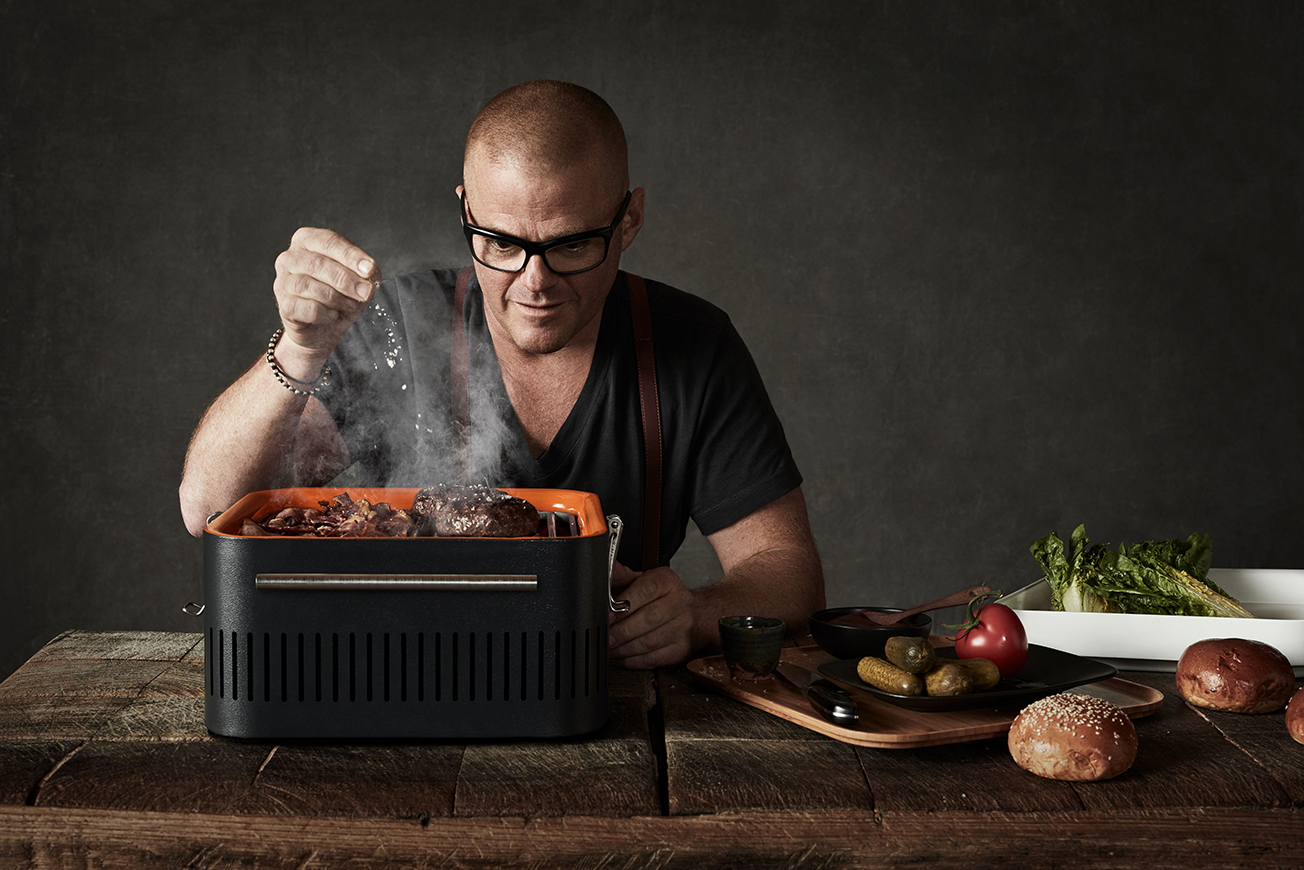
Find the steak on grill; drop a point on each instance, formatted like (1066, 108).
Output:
(475, 510)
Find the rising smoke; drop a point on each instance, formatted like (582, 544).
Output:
(396, 407)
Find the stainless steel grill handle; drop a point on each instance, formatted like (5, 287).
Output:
(614, 527)
(391, 582)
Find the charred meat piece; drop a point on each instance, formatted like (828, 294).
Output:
(341, 517)
(397, 525)
(347, 518)
(476, 510)
(249, 527)
(294, 521)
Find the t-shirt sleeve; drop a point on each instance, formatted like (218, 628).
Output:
(741, 458)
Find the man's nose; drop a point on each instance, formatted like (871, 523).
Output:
(535, 275)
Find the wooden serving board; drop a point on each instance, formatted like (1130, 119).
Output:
(884, 725)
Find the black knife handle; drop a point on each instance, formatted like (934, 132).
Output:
(833, 704)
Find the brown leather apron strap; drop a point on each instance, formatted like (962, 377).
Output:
(459, 379)
(650, 410)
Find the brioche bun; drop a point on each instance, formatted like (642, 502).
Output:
(1235, 675)
(1073, 737)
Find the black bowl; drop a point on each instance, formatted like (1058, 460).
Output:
(863, 639)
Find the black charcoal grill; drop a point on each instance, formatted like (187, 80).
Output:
(348, 638)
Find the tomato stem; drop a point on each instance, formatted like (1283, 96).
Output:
(975, 606)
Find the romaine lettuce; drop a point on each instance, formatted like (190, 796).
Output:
(1165, 577)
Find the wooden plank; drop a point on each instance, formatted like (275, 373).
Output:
(729, 776)
(24, 763)
(725, 756)
(225, 776)
(603, 778)
(185, 777)
(1232, 838)
(625, 683)
(979, 776)
(95, 678)
(84, 682)
(181, 678)
(1264, 739)
(1109, 839)
(154, 718)
(612, 772)
(379, 781)
(689, 713)
(52, 717)
(99, 645)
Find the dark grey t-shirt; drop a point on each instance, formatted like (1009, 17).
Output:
(725, 454)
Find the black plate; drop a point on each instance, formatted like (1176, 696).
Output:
(1046, 672)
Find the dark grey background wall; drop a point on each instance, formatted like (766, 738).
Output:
(1007, 267)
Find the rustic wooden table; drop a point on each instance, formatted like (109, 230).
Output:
(105, 762)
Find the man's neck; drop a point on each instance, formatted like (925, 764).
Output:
(543, 387)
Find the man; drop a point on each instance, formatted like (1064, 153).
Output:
(360, 375)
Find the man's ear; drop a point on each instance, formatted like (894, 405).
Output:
(633, 220)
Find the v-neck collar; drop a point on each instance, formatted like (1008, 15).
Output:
(613, 331)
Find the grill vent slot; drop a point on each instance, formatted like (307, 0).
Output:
(405, 667)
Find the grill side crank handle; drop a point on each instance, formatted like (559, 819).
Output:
(614, 526)
(190, 608)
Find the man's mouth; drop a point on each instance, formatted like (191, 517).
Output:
(540, 307)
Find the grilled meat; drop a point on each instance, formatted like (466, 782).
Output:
(341, 517)
(473, 511)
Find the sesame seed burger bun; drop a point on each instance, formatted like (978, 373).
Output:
(1073, 737)
(1236, 675)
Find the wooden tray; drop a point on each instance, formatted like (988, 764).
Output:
(884, 725)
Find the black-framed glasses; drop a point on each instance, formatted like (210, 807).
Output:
(567, 255)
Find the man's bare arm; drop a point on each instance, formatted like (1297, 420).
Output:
(259, 434)
(771, 568)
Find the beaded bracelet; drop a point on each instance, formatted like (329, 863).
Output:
(322, 379)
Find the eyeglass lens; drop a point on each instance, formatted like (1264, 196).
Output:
(571, 257)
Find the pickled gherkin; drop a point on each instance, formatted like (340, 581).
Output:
(888, 677)
(914, 655)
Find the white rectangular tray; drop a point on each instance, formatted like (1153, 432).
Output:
(1139, 642)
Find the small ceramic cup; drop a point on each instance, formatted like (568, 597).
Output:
(751, 645)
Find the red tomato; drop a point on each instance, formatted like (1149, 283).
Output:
(998, 636)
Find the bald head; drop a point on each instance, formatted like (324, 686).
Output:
(546, 128)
